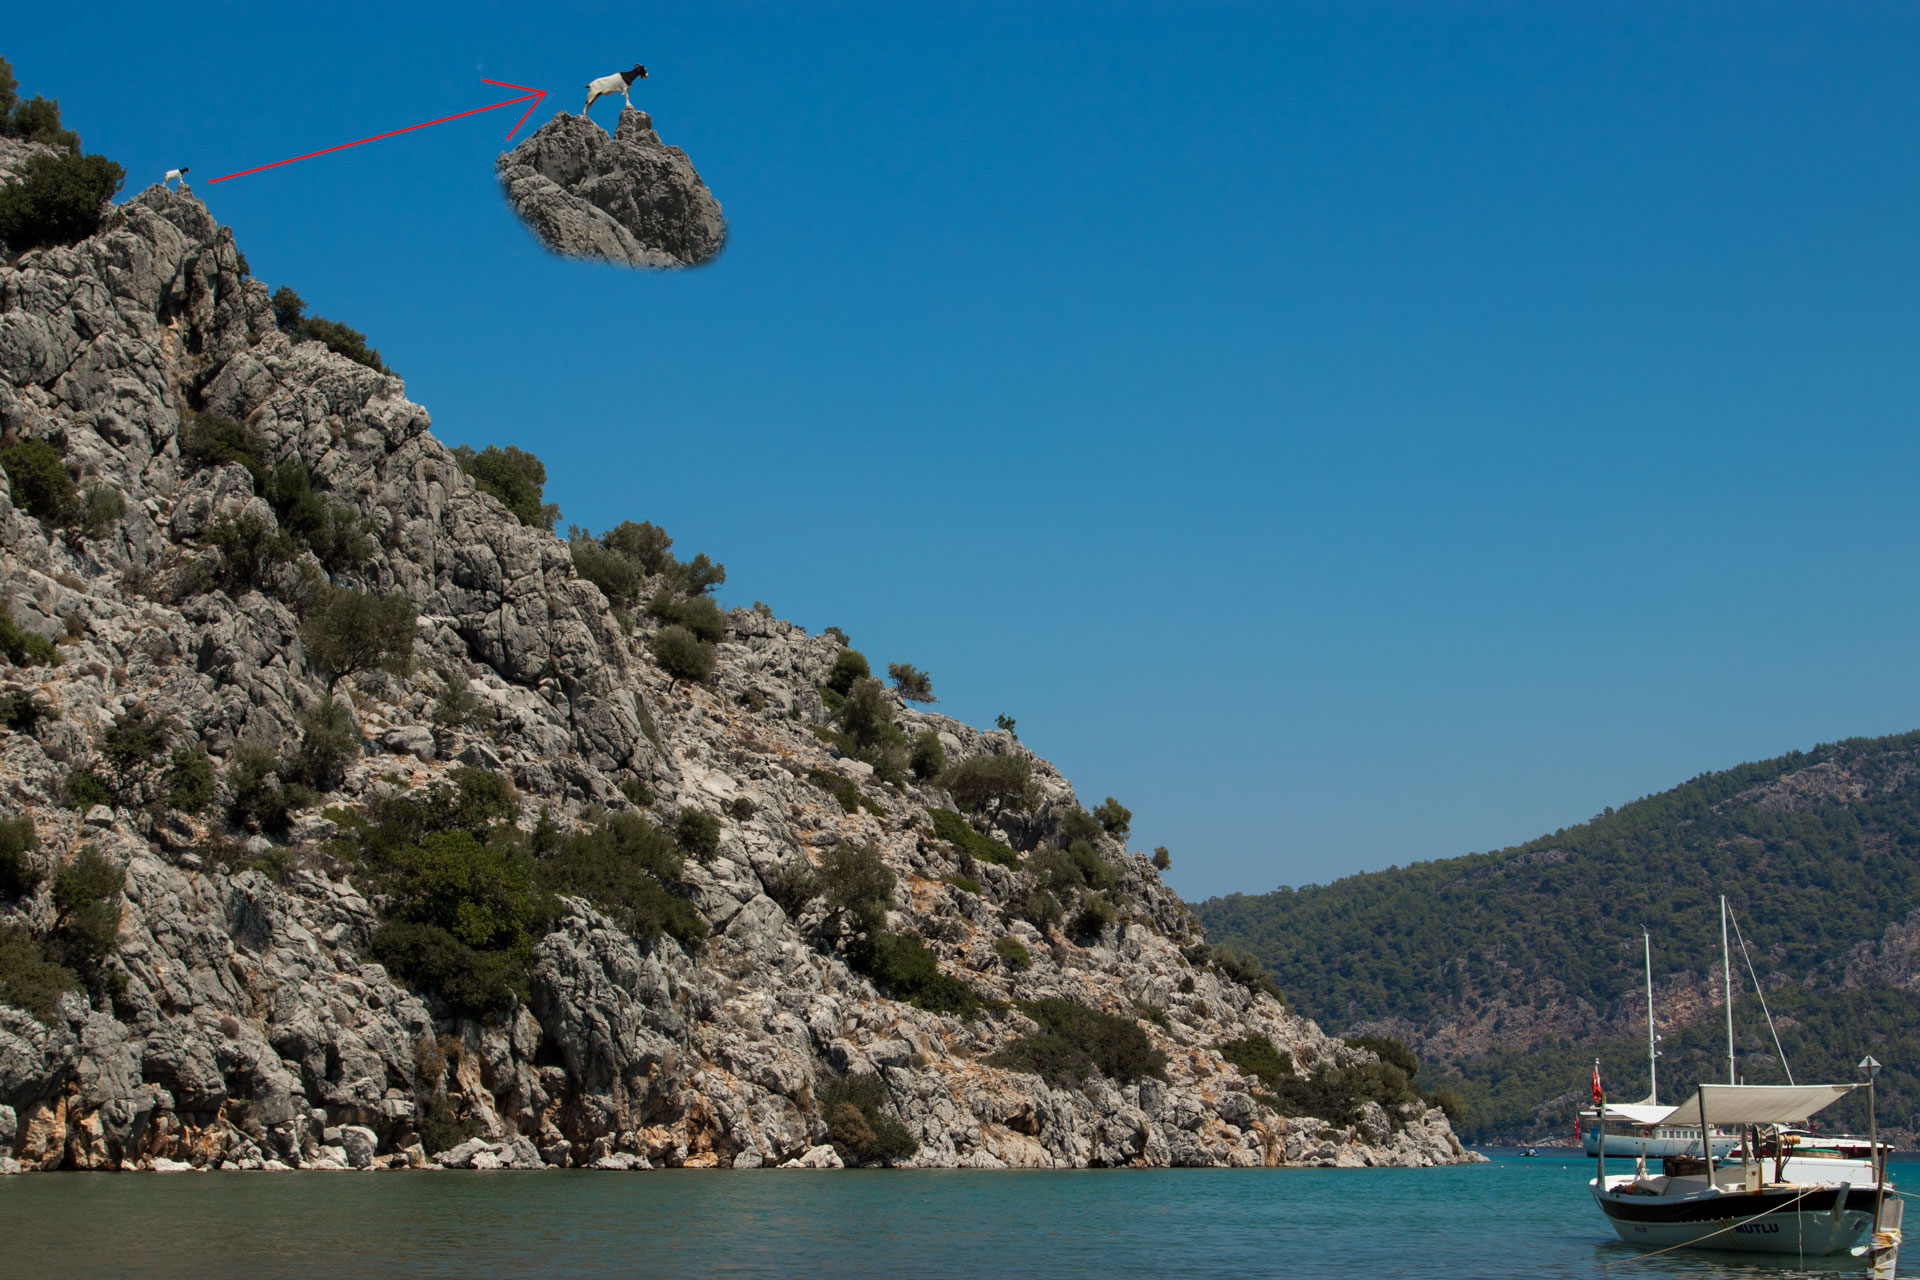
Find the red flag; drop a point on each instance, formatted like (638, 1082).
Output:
(1598, 1095)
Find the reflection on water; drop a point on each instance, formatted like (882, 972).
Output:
(1510, 1218)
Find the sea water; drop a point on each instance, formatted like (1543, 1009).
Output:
(1514, 1216)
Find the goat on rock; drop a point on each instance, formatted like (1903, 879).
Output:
(180, 173)
(619, 82)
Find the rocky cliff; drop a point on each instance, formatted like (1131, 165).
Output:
(240, 1018)
(628, 199)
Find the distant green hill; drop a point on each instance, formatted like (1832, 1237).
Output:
(1510, 971)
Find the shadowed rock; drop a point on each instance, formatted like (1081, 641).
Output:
(628, 199)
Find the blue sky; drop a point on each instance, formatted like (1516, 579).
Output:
(1347, 433)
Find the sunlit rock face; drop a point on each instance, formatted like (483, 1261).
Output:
(627, 198)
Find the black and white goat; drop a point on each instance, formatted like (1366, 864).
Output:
(180, 173)
(619, 82)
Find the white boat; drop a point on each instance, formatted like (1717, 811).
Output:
(1780, 1191)
(1633, 1130)
(1643, 1135)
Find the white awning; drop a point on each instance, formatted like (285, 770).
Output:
(1733, 1105)
(1639, 1113)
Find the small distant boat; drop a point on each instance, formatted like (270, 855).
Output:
(1532, 1152)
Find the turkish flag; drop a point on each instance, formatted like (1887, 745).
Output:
(1598, 1096)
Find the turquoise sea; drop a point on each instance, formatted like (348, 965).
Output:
(1513, 1217)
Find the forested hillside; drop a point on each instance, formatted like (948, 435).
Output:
(1511, 971)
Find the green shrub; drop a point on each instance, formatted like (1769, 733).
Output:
(865, 713)
(1256, 1056)
(991, 784)
(35, 120)
(86, 923)
(190, 782)
(928, 757)
(515, 477)
(967, 883)
(681, 654)
(441, 1128)
(472, 981)
(1449, 1101)
(620, 579)
(210, 440)
(1162, 860)
(646, 544)
(252, 552)
(329, 743)
(334, 532)
(1006, 722)
(1243, 968)
(457, 707)
(22, 647)
(99, 508)
(1066, 872)
(623, 865)
(742, 809)
(1387, 1049)
(352, 631)
(257, 800)
(1041, 910)
(840, 788)
(1096, 914)
(1076, 1042)
(22, 712)
(18, 840)
(37, 476)
(698, 614)
(28, 979)
(1333, 1094)
(136, 740)
(697, 832)
(860, 1131)
(699, 575)
(1115, 818)
(832, 700)
(848, 665)
(1077, 824)
(957, 831)
(910, 682)
(857, 888)
(637, 791)
(86, 788)
(57, 200)
(902, 966)
(1013, 951)
(289, 313)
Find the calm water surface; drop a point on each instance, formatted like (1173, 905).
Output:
(1513, 1217)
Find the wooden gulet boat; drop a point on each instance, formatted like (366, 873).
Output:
(1781, 1190)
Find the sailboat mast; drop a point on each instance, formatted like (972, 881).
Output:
(1653, 1052)
(1726, 969)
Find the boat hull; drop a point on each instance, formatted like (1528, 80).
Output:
(1629, 1145)
(1811, 1223)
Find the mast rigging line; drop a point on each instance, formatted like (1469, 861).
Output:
(1748, 957)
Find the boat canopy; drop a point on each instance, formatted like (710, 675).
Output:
(1733, 1105)
(1641, 1114)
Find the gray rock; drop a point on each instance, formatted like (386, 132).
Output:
(410, 739)
(360, 1143)
(626, 199)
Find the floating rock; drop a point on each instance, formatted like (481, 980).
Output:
(627, 199)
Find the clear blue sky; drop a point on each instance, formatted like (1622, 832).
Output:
(1348, 433)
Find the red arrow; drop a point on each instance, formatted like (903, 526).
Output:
(535, 94)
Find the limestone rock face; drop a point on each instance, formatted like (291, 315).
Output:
(244, 1022)
(628, 199)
